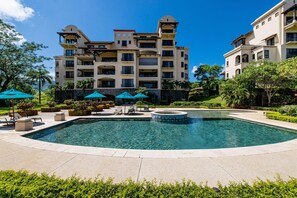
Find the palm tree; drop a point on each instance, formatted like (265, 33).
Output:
(85, 84)
(40, 75)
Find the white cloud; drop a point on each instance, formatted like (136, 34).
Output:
(194, 69)
(14, 9)
(21, 41)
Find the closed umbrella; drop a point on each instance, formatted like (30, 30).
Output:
(124, 96)
(14, 94)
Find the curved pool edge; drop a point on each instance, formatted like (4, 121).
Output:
(17, 138)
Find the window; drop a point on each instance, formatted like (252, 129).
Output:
(127, 57)
(291, 37)
(269, 19)
(124, 34)
(237, 60)
(276, 14)
(148, 61)
(127, 70)
(237, 72)
(127, 83)
(167, 31)
(69, 63)
(227, 75)
(291, 53)
(124, 43)
(263, 23)
(266, 54)
(57, 74)
(167, 53)
(119, 41)
(240, 42)
(71, 41)
(118, 34)
(181, 54)
(186, 66)
(57, 63)
(260, 55)
(147, 45)
(182, 64)
(253, 56)
(167, 42)
(69, 74)
(257, 26)
(69, 53)
(245, 58)
(167, 75)
(270, 41)
(101, 46)
(227, 63)
(167, 64)
(182, 75)
(129, 41)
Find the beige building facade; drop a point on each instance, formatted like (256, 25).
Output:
(130, 61)
(273, 38)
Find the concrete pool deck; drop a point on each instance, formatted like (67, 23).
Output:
(224, 165)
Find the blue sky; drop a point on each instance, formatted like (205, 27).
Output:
(206, 27)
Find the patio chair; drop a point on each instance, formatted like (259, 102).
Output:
(118, 111)
(146, 108)
(7, 122)
(131, 111)
(16, 116)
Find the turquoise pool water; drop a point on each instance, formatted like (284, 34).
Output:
(205, 130)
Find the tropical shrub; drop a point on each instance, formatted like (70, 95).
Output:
(278, 116)
(51, 104)
(289, 110)
(69, 102)
(23, 184)
(66, 107)
(28, 112)
(25, 105)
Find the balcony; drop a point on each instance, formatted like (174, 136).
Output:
(109, 60)
(127, 59)
(127, 72)
(149, 84)
(105, 83)
(148, 74)
(147, 45)
(290, 24)
(69, 43)
(106, 71)
(127, 85)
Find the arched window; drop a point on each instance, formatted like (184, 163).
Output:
(245, 58)
(237, 60)
(237, 72)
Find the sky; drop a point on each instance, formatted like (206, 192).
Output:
(205, 27)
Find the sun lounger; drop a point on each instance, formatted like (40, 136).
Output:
(146, 108)
(131, 111)
(118, 111)
(7, 122)
(16, 116)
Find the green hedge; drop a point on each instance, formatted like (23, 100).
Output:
(196, 104)
(23, 184)
(278, 116)
(50, 109)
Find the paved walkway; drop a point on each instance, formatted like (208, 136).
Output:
(224, 165)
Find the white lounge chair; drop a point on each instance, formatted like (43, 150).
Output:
(118, 111)
(16, 116)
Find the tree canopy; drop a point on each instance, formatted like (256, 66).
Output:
(16, 60)
(208, 77)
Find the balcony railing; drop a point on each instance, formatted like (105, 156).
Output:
(168, 66)
(127, 85)
(106, 86)
(148, 75)
(127, 72)
(68, 65)
(127, 59)
(109, 60)
(106, 73)
(167, 77)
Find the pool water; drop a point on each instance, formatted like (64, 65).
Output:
(204, 130)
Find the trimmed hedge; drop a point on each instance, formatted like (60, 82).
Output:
(196, 104)
(85, 112)
(278, 116)
(23, 184)
(50, 109)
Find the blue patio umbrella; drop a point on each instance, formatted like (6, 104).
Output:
(140, 96)
(95, 95)
(14, 94)
(124, 96)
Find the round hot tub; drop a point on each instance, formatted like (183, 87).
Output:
(170, 116)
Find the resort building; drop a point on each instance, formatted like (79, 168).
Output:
(130, 61)
(273, 38)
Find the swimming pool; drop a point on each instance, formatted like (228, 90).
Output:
(204, 130)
